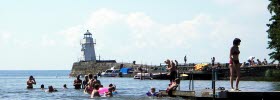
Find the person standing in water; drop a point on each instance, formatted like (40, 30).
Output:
(30, 82)
(234, 64)
(85, 82)
(77, 83)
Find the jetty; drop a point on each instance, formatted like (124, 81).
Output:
(225, 95)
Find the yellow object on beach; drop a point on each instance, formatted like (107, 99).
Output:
(184, 75)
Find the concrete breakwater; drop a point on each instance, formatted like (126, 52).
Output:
(86, 67)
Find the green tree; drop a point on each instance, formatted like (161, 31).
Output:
(274, 29)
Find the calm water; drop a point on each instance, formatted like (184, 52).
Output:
(13, 86)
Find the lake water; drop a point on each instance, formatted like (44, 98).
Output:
(13, 86)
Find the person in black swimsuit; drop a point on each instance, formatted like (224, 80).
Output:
(77, 83)
(234, 64)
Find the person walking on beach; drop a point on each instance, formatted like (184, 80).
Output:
(234, 64)
(30, 82)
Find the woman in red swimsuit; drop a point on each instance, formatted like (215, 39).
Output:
(234, 64)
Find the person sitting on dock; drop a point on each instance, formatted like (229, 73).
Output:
(251, 60)
(77, 83)
(264, 62)
(259, 62)
(173, 87)
(152, 92)
(30, 82)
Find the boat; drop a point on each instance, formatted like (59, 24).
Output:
(143, 76)
(111, 72)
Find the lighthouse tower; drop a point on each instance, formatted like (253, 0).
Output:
(87, 43)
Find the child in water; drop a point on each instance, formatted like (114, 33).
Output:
(152, 92)
(113, 88)
(110, 92)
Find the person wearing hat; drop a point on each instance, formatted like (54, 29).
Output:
(234, 64)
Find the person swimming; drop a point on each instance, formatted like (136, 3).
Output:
(51, 89)
(42, 87)
(65, 86)
(30, 82)
(152, 92)
(110, 92)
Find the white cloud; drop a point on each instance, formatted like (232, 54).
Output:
(139, 21)
(22, 43)
(143, 33)
(47, 41)
(5, 37)
(72, 35)
(146, 32)
(102, 17)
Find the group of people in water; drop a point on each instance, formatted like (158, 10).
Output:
(31, 81)
(93, 86)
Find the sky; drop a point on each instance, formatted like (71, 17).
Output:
(45, 35)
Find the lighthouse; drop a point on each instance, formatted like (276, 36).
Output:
(87, 43)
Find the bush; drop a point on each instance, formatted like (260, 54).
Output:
(268, 73)
(272, 75)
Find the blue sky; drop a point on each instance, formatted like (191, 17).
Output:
(43, 35)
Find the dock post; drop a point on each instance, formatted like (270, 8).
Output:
(191, 84)
(213, 82)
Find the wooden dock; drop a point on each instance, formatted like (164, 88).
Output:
(226, 95)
